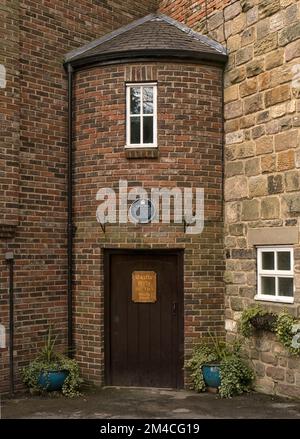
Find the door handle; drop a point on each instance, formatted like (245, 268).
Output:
(174, 307)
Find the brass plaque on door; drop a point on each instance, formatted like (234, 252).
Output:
(144, 287)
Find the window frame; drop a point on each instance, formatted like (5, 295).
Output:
(142, 85)
(274, 273)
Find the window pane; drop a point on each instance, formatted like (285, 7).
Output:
(148, 100)
(268, 261)
(285, 286)
(284, 260)
(148, 129)
(135, 100)
(268, 285)
(135, 129)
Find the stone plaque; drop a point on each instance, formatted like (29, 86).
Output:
(144, 286)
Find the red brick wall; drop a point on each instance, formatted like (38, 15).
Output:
(190, 155)
(48, 29)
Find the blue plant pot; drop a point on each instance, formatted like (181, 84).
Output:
(211, 375)
(52, 380)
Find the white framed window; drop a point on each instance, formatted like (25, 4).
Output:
(141, 115)
(275, 274)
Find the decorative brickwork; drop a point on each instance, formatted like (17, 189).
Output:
(36, 100)
(190, 155)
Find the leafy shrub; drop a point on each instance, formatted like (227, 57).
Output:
(48, 361)
(256, 317)
(236, 375)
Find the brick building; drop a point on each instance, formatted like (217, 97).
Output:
(183, 72)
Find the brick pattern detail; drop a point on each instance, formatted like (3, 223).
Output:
(34, 106)
(262, 150)
(190, 155)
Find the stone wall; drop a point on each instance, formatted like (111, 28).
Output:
(262, 150)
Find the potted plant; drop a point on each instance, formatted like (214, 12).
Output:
(52, 371)
(220, 365)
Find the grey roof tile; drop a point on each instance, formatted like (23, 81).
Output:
(153, 32)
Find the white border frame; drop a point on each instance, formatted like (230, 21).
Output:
(274, 273)
(129, 85)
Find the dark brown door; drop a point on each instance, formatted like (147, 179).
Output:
(144, 343)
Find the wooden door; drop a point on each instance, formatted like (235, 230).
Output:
(144, 333)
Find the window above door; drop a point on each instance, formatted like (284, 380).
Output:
(141, 115)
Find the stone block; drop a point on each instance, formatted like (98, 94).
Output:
(268, 7)
(292, 51)
(263, 116)
(292, 181)
(236, 229)
(275, 185)
(262, 29)
(288, 390)
(269, 358)
(266, 44)
(286, 140)
(232, 11)
(236, 303)
(232, 212)
(248, 87)
(274, 59)
(277, 95)
(231, 93)
(234, 168)
(235, 137)
(255, 67)
(244, 150)
(270, 208)
(248, 36)
(285, 160)
(257, 131)
(235, 76)
(258, 186)
(233, 109)
(252, 167)
(277, 373)
(289, 34)
(292, 202)
(250, 210)
(253, 103)
(244, 55)
(252, 16)
(268, 163)
(277, 21)
(236, 188)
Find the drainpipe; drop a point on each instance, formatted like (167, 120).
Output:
(70, 211)
(9, 256)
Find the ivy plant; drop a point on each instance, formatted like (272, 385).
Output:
(253, 314)
(283, 325)
(48, 361)
(236, 375)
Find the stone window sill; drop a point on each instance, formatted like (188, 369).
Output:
(141, 153)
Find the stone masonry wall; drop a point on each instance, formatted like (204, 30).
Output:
(262, 151)
(48, 29)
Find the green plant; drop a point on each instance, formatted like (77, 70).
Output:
(236, 375)
(47, 361)
(285, 333)
(256, 317)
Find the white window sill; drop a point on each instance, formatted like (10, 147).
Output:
(144, 146)
(275, 299)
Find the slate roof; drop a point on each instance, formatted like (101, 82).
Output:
(155, 34)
